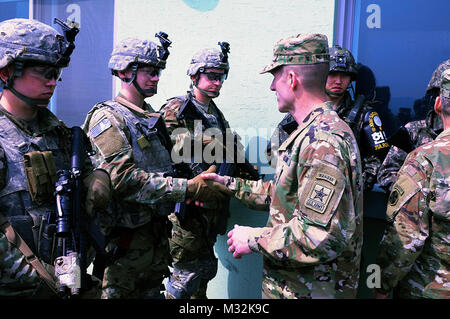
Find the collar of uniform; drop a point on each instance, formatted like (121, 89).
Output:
(320, 109)
(46, 119)
(145, 110)
(203, 107)
(444, 133)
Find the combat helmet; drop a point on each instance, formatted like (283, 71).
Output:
(25, 41)
(435, 81)
(210, 58)
(137, 52)
(342, 60)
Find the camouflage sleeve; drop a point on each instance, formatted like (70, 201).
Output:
(387, 174)
(253, 194)
(371, 165)
(178, 134)
(323, 222)
(115, 155)
(408, 225)
(16, 275)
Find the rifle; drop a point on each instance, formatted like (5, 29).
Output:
(72, 226)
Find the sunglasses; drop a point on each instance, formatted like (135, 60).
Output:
(152, 73)
(46, 72)
(213, 76)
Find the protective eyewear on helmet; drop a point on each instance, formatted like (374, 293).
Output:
(46, 72)
(213, 76)
(152, 73)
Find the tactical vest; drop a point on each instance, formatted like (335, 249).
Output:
(33, 221)
(150, 155)
(215, 120)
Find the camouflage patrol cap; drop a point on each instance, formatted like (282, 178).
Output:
(300, 49)
(342, 60)
(445, 84)
(31, 40)
(134, 50)
(435, 80)
(207, 58)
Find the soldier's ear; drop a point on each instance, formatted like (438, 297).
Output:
(127, 73)
(6, 72)
(293, 80)
(438, 105)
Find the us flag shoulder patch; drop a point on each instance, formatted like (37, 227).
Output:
(100, 127)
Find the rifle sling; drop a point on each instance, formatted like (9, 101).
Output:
(15, 239)
(356, 110)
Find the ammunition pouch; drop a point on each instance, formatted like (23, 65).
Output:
(40, 171)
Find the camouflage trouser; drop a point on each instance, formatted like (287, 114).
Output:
(140, 272)
(190, 279)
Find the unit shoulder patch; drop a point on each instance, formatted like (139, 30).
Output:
(402, 191)
(319, 198)
(323, 189)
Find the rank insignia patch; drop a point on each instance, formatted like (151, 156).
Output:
(319, 197)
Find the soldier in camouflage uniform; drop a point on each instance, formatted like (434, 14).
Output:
(362, 119)
(194, 235)
(132, 144)
(34, 145)
(415, 251)
(312, 243)
(413, 134)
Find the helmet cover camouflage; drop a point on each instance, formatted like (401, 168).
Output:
(445, 84)
(342, 60)
(435, 81)
(134, 50)
(299, 49)
(207, 58)
(31, 40)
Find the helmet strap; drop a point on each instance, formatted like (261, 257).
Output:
(33, 103)
(132, 80)
(335, 93)
(134, 68)
(143, 92)
(204, 92)
(207, 93)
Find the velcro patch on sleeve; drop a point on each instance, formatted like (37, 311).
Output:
(107, 137)
(319, 197)
(100, 127)
(322, 192)
(404, 188)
